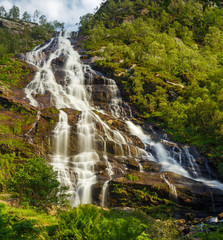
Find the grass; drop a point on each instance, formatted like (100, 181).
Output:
(85, 222)
(41, 218)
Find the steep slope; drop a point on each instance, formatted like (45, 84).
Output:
(16, 117)
(167, 59)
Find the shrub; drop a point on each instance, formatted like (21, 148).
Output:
(36, 184)
(89, 222)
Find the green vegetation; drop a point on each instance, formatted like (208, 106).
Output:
(7, 167)
(12, 70)
(24, 40)
(213, 232)
(85, 222)
(36, 184)
(132, 177)
(167, 57)
(90, 222)
(141, 197)
(16, 223)
(23, 35)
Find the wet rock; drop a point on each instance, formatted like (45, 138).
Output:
(110, 147)
(132, 164)
(101, 94)
(100, 167)
(150, 166)
(59, 62)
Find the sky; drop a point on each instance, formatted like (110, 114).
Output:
(67, 11)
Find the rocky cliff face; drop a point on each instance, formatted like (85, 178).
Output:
(17, 26)
(137, 164)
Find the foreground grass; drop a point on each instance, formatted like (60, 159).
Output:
(85, 222)
(40, 218)
(94, 223)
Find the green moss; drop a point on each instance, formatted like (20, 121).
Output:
(12, 70)
(4, 117)
(132, 177)
(213, 232)
(138, 196)
(5, 129)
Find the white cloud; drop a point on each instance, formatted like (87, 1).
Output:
(68, 11)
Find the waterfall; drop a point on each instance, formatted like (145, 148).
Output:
(94, 136)
(169, 161)
(173, 190)
(76, 172)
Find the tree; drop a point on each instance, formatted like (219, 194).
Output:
(207, 3)
(84, 24)
(14, 12)
(36, 184)
(36, 16)
(58, 25)
(26, 17)
(2, 12)
(42, 20)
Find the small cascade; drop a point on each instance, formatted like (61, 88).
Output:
(173, 190)
(212, 200)
(192, 162)
(30, 140)
(160, 154)
(168, 159)
(105, 185)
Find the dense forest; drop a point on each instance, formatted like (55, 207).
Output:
(167, 57)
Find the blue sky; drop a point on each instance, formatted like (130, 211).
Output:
(68, 11)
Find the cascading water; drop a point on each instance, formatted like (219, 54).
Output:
(80, 176)
(172, 161)
(77, 171)
(173, 189)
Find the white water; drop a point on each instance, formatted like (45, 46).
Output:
(80, 175)
(168, 162)
(33, 127)
(77, 170)
(74, 171)
(173, 190)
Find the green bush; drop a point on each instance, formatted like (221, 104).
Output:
(36, 184)
(89, 222)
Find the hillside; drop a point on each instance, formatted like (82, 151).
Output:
(168, 61)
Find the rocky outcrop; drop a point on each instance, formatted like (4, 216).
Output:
(17, 26)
